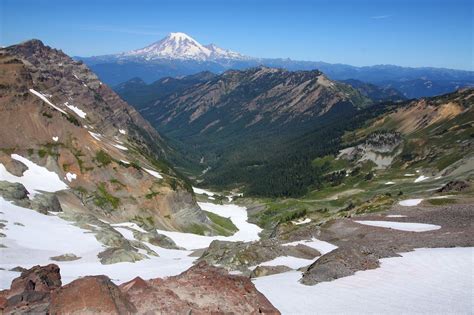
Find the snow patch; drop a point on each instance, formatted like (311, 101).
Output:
(122, 131)
(321, 246)
(55, 139)
(299, 222)
(79, 112)
(396, 216)
(200, 191)
(402, 226)
(43, 97)
(410, 202)
(289, 261)
(96, 136)
(153, 173)
(421, 178)
(121, 147)
(70, 176)
(389, 183)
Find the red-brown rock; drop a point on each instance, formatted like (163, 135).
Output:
(202, 289)
(90, 295)
(30, 292)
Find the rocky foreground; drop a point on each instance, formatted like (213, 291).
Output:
(202, 289)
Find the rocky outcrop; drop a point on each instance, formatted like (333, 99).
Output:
(241, 255)
(454, 185)
(31, 292)
(201, 289)
(262, 271)
(341, 262)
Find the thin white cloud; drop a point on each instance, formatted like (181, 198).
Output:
(380, 17)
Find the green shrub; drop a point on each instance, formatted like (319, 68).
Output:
(103, 158)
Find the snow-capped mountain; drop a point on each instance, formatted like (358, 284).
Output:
(184, 47)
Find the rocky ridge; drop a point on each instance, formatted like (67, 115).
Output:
(200, 290)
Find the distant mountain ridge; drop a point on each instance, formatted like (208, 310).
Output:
(178, 54)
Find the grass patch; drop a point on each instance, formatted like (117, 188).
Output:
(151, 195)
(105, 199)
(442, 201)
(103, 158)
(196, 229)
(226, 224)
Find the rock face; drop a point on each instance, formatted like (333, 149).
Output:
(201, 289)
(56, 113)
(454, 185)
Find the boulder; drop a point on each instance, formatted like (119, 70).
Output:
(30, 292)
(341, 262)
(14, 167)
(262, 271)
(45, 202)
(65, 257)
(90, 295)
(115, 255)
(13, 191)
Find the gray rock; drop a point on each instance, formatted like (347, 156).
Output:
(241, 255)
(65, 257)
(341, 262)
(15, 167)
(261, 271)
(115, 255)
(156, 239)
(18, 269)
(13, 191)
(46, 202)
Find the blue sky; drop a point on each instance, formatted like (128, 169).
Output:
(415, 33)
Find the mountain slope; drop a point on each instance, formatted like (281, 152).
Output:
(241, 115)
(56, 113)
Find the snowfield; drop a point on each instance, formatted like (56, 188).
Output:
(402, 226)
(36, 178)
(425, 281)
(238, 215)
(428, 281)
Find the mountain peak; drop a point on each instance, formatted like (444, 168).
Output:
(181, 46)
